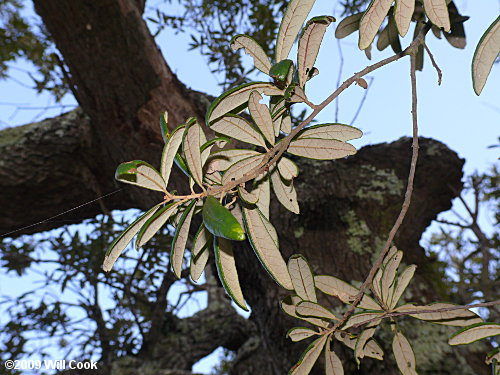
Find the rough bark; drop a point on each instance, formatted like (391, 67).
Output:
(122, 83)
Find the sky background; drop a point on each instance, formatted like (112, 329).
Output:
(451, 113)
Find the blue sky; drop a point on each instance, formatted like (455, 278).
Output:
(451, 113)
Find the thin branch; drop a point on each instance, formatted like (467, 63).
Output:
(408, 194)
(434, 64)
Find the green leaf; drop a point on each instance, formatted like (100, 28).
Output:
(164, 126)
(286, 194)
(252, 48)
(239, 128)
(300, 333)
(348, 25)
(403, 11)
(474, 333)
(295, 15)
(437, 11)
(154, 223)
(169, 151)
(226, 267)
(199, 255)
(333, 364)
(320, 149)
(309, 357)
(487, 51)
(343, 291)
(121, 242)
(220, 222)
(302, 278)
(339, 132)
(282, 71)
(237, 96)
(403, 352)
(456, 318)
(264, 241)
(309, 44)
(242, 168)
(180, 239)
(140, 173)
(371, 20)
(192, 141)
(261, 116)
(315, 310)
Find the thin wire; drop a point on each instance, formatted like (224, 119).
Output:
(62, 213)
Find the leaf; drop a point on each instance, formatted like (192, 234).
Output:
(180, 239)
(372, 349)
(389, 276)
(403, 11)
(295, 15)
(333, 364)
(485, 55)
(371, 20)
(320, 149)
(264, 241)
(288, 169)
(363, 317)
(302, 278)
(169, 151)
(220, 222)
(343, 291)
(456, 37)
(339, 132)
(164, 126)
(309, 357)
(403, 352)
(252, 48)
(154, 224)
(200, 252)
(248, 197)
(286, 124)
(348, 25)
(263, 187)
(437, 11)
(282, 71)
(300, 333)
(286, 195)
(474, 333)
(226, 158)
(308, 308)
(309, 44)
(457, 318)
(363, 338)
(237, 96)
(226, 268)
(242, 168)
(261, 116)
(140, 173)
(288, 305)
(121, 242)
(402, 283)
(239, 128)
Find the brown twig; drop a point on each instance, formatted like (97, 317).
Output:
(434, 64)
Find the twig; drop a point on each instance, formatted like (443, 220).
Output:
(434, 64)
(408, 194)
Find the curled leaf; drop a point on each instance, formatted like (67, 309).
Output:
(252, 48)
(140, 173)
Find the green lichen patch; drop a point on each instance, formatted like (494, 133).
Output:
(358, 233)
(381, 182)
